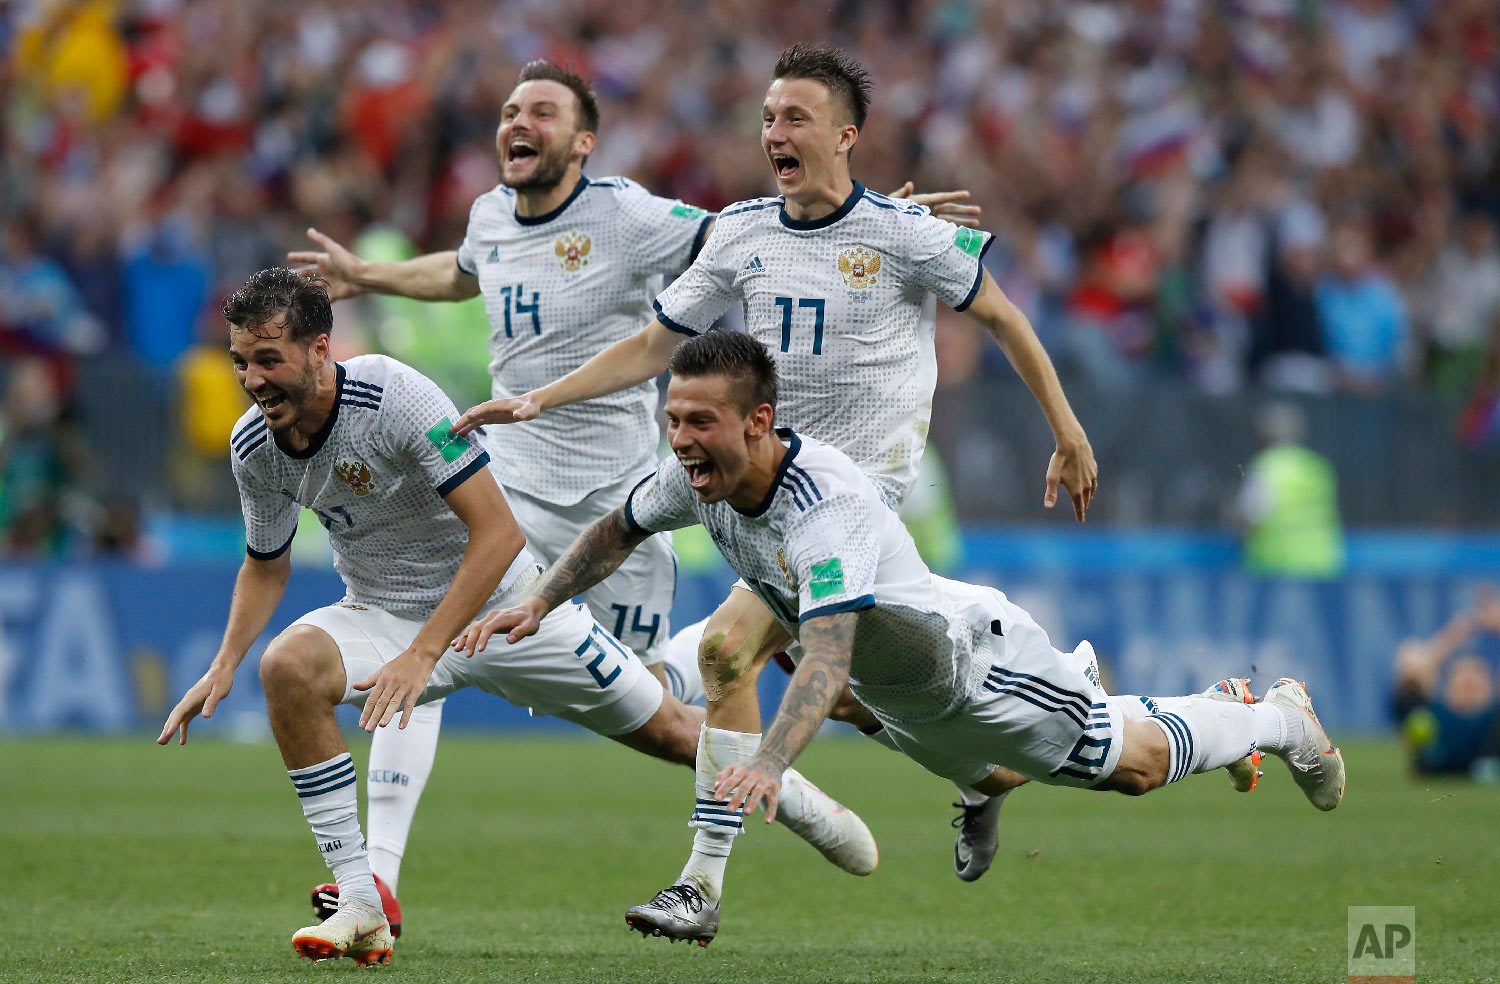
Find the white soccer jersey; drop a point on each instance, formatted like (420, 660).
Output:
(376, 475)
(843, 303)
(559, 288)
(824, 541)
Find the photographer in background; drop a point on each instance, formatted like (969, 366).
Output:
(1445, 697)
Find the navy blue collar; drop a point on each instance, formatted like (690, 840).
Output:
(316, 442)
(830, 218)
(795, 445)
(529, 220)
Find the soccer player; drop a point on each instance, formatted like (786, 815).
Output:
(422, 538)
(963, 680)
(567, 266)
(841, 283)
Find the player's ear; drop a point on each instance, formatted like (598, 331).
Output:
(758, 424)
(583, 143)
(848, 134)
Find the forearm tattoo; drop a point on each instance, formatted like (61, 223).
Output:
(828, 642)
(594, 556)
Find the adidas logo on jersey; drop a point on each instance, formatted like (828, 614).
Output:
(494, 256)
(754, 266)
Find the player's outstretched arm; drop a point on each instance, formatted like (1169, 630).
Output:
(595, 555)
(828, 642)
(494, 542)
(433, 277)
(1072, 464)
(624, 364)
(945, 205)
(257, 591)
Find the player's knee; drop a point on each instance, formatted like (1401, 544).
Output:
(1131, 783)
(293, 660)
(727, 659)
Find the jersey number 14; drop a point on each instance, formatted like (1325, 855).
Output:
(512, 302)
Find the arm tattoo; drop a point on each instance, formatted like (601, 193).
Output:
(828, 641)
(595, 555)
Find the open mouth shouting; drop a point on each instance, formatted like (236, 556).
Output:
(520, 149)
(699, 471)
(787, 167)
(271, 403)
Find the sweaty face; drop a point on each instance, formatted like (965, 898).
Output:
(707, 434)
(801, 125)
(279, 375)
(538, 126)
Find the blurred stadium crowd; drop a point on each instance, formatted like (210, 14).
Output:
(1296, 194)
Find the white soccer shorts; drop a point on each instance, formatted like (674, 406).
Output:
(1032, 709)
(635, 602)
(571, 668)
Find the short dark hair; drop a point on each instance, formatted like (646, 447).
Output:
(303, 297)
(735, 354)
(582, 88)
(846, 79)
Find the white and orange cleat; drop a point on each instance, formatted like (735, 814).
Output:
(325, 902)
(1243, 773)
(1316, 766)
(357, 931)
(835, 830)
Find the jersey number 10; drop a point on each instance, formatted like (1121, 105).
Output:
(513, 296)
(816, 303)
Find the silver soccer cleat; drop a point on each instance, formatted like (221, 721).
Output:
(978, 837)
(1316, 766)
(678, 913)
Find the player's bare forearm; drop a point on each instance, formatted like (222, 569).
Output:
(1072, 465)
(433, 277)
(487, 557)
(628, 362)
(494, 543)
(595, 555)
(828, 642)
(257, 591)
(1012, 331)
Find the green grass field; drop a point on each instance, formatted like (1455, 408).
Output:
(122, 861)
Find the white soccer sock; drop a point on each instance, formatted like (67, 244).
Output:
(715, 825)
(1204, 734)
(1277, 730)
(680, 660)
(400, 763)
(330, 802)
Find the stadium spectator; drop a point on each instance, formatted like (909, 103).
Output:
(1445, 693)
(1362, 314)
(40, 309)
(40, 464)
(1289, 503)
(1462, 297)
(1286, 346)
